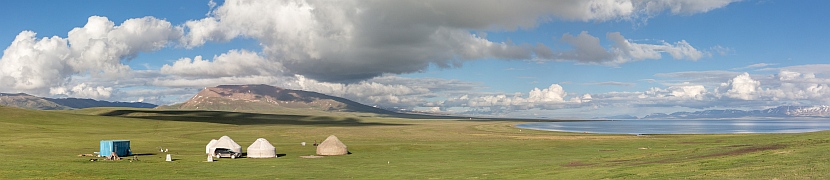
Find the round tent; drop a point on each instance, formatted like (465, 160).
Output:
(227, 143)
(332, 147)
(261, 148)
(209, 148)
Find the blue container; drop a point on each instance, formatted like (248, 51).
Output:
(120, 147)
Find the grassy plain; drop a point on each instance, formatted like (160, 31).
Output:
(45, 145)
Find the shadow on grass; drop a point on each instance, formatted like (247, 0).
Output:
(242, 118)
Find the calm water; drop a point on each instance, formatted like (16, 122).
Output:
(684, 126)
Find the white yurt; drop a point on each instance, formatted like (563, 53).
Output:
(209, 148)
(261, 148)
(227, 143)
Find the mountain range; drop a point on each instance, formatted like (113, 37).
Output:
(265, 98)
(777, 112)
(26, 101)
(252, 98)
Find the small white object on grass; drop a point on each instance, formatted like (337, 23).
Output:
(165, 149)
(168, 158)
(302, 143)
(210, 158)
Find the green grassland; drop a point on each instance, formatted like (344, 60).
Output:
(46, 144)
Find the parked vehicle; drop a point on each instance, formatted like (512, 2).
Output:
(223, 152)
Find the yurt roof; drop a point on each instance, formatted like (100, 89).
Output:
(332, 146)
(261, 143)
(333, 140)
(210, 145)
(212, 142)
(227, 142)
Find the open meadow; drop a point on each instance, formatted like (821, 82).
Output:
(46, 145)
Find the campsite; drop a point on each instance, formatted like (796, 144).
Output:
(45, 145)
(415, 89)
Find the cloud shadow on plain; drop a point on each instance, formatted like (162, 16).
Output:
(242, 118)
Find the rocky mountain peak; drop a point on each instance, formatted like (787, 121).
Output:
(268, 98)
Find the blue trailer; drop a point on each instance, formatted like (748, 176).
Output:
(120, 147)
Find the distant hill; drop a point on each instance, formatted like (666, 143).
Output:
(265, 98)
(26, 101)
(77, 103)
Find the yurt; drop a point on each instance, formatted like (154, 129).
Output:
(227, 143)
(209, 148)
(332, 147)
(261, 148)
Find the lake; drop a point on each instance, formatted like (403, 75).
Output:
(684, 126)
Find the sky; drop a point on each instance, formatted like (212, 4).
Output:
(523, 58)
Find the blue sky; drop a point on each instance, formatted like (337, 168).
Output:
(556, 59)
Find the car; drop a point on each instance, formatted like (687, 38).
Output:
(224, 152)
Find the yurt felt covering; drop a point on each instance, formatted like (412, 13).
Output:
(227, 143)
(332, 147)
(261, 148)
(209, 148)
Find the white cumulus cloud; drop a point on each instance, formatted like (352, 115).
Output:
(554, 93)
(742, 87)
(83, 91)
(232, 63)
(99, 49)
(696, 92)
(553, 97)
